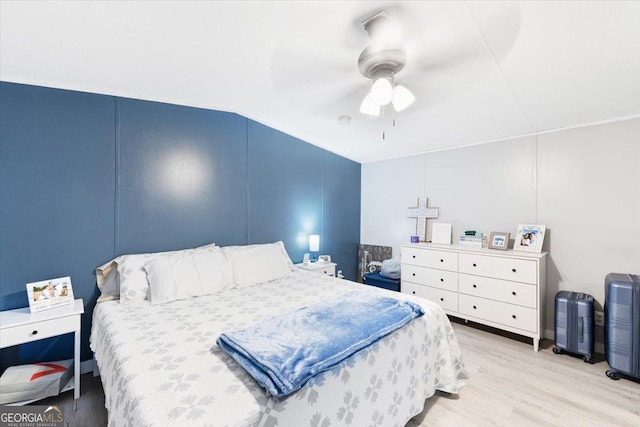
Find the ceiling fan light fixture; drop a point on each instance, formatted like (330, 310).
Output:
(382, 90)
(402, 98)
(381, 61)
(369, 107)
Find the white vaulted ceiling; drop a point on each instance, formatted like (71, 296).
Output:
(481, 71)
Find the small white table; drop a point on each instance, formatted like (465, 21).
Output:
(20, 326)
(328, 268)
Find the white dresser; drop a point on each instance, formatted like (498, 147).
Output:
(502, 289)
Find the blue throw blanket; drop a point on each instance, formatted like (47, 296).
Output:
(283, 352)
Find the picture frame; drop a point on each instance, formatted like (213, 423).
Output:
(499, 240)
(441, 233)
(529, 238)
(49, 294)
(324, 258)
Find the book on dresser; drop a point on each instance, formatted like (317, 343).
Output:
(504, 290)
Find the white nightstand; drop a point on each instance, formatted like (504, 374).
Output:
(328, 268)
(20, 326)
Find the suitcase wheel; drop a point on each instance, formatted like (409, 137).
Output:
(587, 359)
(556, 350)
(613, 375)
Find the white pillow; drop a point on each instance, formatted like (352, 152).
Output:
(133, 277)
(186, 274)
(258, 263)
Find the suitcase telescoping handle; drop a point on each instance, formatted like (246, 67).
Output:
(580, 329)
(580, 296)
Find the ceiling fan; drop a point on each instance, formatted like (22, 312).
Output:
(381, 61)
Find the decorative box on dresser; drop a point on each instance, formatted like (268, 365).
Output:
(501, 289)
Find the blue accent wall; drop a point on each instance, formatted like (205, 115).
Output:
(57, 187)
(341, 197)
(285, 190)
(85, 178)
(181, 177)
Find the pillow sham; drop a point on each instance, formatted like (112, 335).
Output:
(133, 277)
(110, 290)
(186, 274)
(254, 264)
(109, 281)
(279, 244)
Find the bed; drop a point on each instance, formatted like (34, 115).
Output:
(160, 364)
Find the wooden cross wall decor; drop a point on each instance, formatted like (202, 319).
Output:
(421, 213)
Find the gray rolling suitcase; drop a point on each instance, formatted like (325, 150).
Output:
(574, 324)
(622, 324)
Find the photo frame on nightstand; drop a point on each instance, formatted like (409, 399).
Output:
(49, 294)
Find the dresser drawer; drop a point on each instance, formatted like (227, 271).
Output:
(499, 290)
(515, 316)
(430, 277)
(427, 258)
(518, 270)
(446, 299)
(33, 332)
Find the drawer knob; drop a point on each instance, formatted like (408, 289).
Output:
(513, 293)
(513, 315)
(441, 299)
(34, 333)
(474, 264)
(474, 286)
(474, 307)
(413, 274)
(414, 292)
(513, 269)
(413, 256)
(441, 260)
(441, 279)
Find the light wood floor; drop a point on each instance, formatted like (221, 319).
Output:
(509, 385)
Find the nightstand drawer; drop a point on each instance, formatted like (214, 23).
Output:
(329, 270)
(326, 268)
(36, 331)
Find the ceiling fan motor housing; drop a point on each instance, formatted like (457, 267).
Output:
(373, 62)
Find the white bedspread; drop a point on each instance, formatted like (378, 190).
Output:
(160, 365)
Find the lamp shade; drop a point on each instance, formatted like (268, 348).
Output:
(382, 91)
(402, 98)
(314, 243)
(369, 107)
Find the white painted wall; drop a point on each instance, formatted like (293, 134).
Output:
(584, 184)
